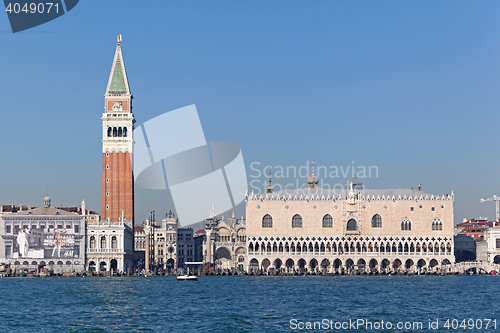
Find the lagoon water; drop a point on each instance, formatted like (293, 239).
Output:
(251, 304)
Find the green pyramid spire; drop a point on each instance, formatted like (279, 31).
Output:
(118, 82)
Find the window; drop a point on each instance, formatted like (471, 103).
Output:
(327, 221)
(59, 226)
(92, 242)
(51, 226)
(498, 243)
(77, 228)
(297, 221)
(405, 224)
(433, 209)
(68, 226)
(8, 250)
(8, 229)
(412, 209)
(16, 229)
(376, 221)
(267, 221)
(437, 224)
(352, 225)
(103, 242)
(113, 242)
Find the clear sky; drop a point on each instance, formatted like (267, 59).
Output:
(411, 87)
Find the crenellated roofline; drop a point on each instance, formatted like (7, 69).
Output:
(299, 195)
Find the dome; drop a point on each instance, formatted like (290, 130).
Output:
(312, 180)
(46, 201)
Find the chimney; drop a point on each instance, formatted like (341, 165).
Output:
(60, 205)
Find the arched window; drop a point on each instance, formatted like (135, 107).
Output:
(297, 221)
(115, 133)
(109, 131)
(124, 132)
(267, 221)
(113, 242)
(327, 221)
(376, 221)
(405, 224)
(92, 242)
(437, 224)
(352, 224)
(103, 242)
(119, 131)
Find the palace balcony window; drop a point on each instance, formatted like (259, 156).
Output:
(352, 225)
(103, 242)
(437, 224)
(92, 242)
(327, 221)
(297, 221)
(376, 221)
(406, 224)
(498, 243)
(267, 221)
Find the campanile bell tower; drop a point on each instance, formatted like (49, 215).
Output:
(117, 145)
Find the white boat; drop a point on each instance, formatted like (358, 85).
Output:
(188, 277)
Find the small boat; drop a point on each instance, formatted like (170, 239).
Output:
(187, 278)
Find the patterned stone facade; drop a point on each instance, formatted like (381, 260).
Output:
(225, 243)
(372, 230)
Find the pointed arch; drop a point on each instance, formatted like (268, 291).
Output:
(327, 221)
(297, 221)
(267, 221)
(376, 221)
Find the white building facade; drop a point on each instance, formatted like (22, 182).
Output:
(313, 230)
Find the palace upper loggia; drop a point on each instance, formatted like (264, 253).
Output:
(329, 231)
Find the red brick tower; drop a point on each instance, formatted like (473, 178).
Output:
(117, 145)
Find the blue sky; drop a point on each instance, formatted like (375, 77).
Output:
(410, 87)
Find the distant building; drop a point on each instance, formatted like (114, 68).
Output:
(475, 227)
(139, 239)
(185, 246)
(167, 247)
(199, 239)
(488, 249)
(315, 229)
(225, 243)
(50, 238)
